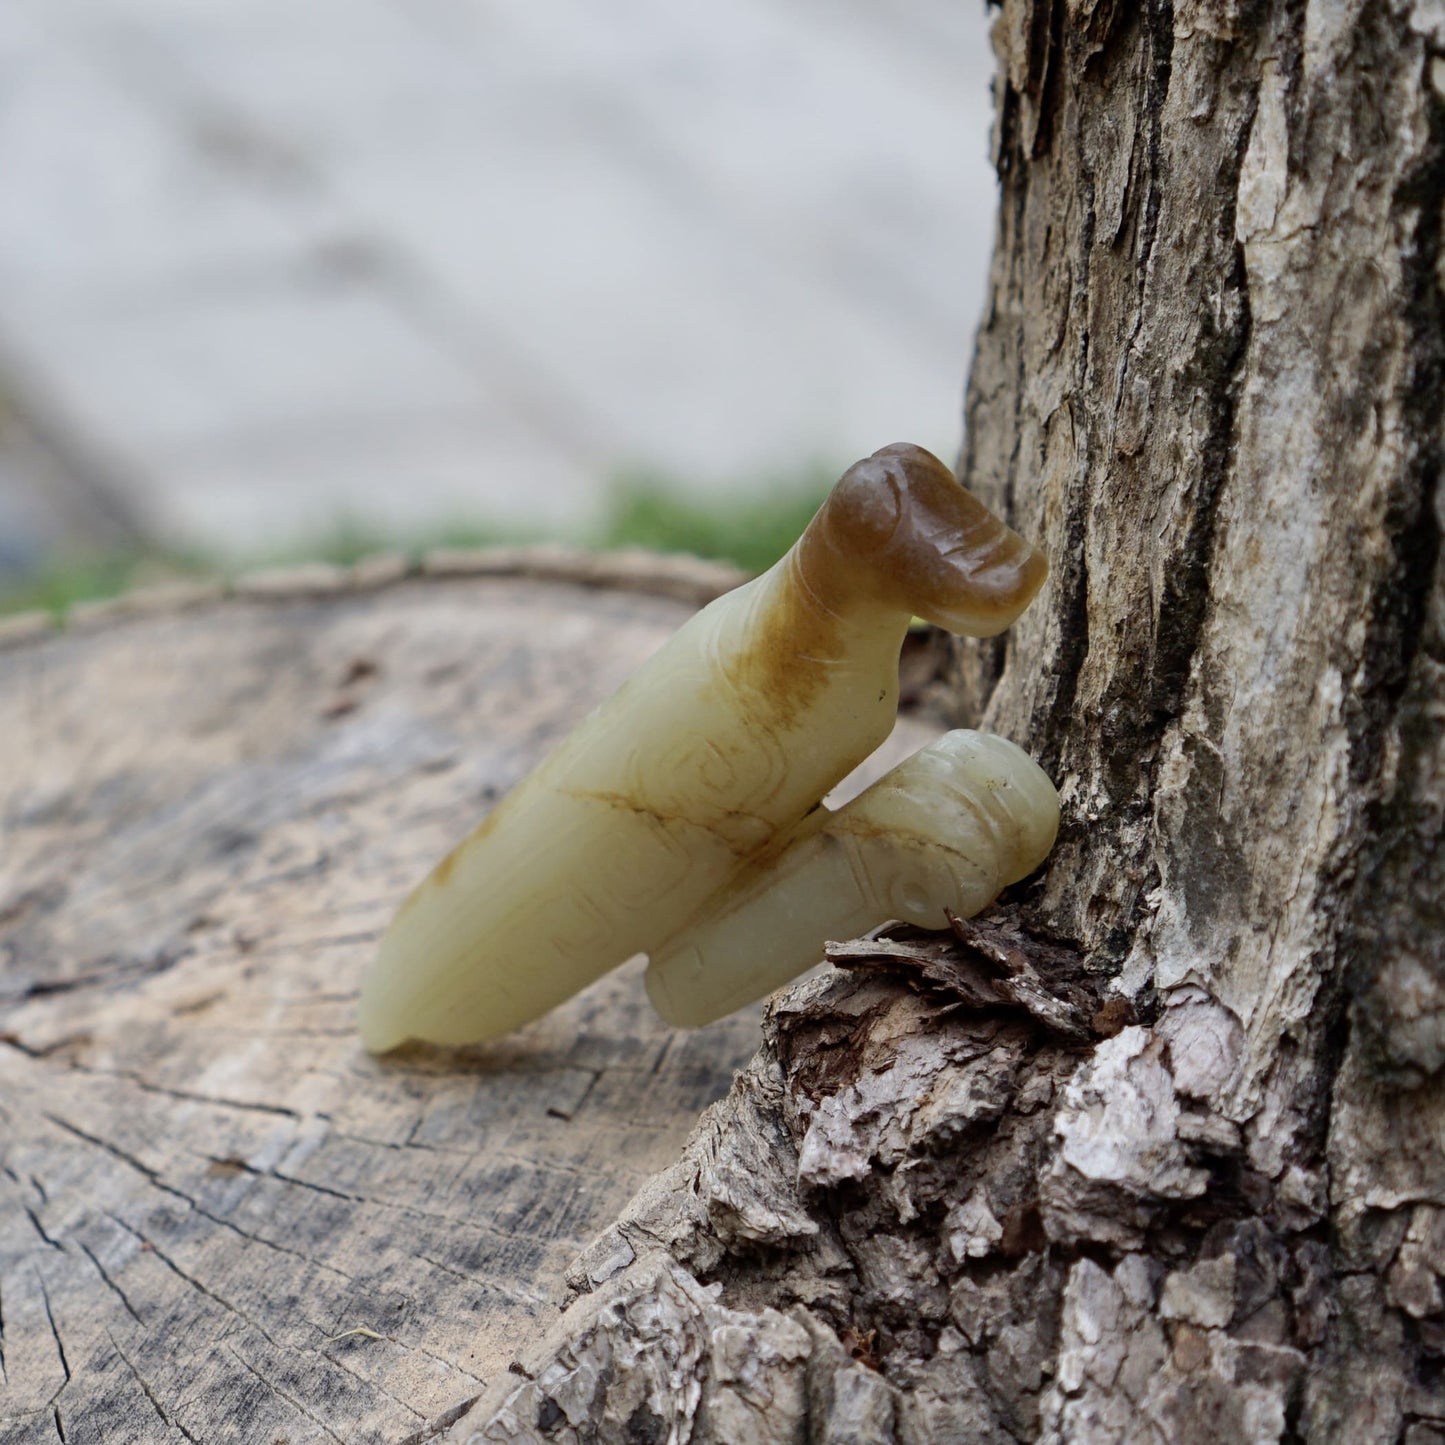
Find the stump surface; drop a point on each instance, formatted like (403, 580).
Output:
(220, 1220)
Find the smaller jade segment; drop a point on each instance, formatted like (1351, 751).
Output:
(949, 828)
(694, 779)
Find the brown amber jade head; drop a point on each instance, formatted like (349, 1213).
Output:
(899, 531)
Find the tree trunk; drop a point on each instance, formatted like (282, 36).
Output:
(1199, 1194)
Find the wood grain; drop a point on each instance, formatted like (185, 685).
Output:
(220, 1220)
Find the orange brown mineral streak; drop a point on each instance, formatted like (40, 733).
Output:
(794, 643)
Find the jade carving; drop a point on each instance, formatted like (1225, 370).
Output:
(682, 819)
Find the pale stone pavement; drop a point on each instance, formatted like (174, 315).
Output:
(270, 264)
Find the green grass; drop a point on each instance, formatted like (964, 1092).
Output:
(752, 532)
(65, 579)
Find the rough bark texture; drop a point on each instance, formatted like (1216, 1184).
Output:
(1212, 381)
(219, 1219)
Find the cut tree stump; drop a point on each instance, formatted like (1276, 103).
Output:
(222, 1220)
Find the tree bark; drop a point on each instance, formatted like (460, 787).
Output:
(1201, 1195)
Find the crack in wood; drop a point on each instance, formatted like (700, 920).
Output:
(166, 1418)
(110, 1283)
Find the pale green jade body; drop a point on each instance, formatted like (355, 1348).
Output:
(949, 828)
(727, 737)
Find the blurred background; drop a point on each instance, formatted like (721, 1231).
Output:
(288, 278)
